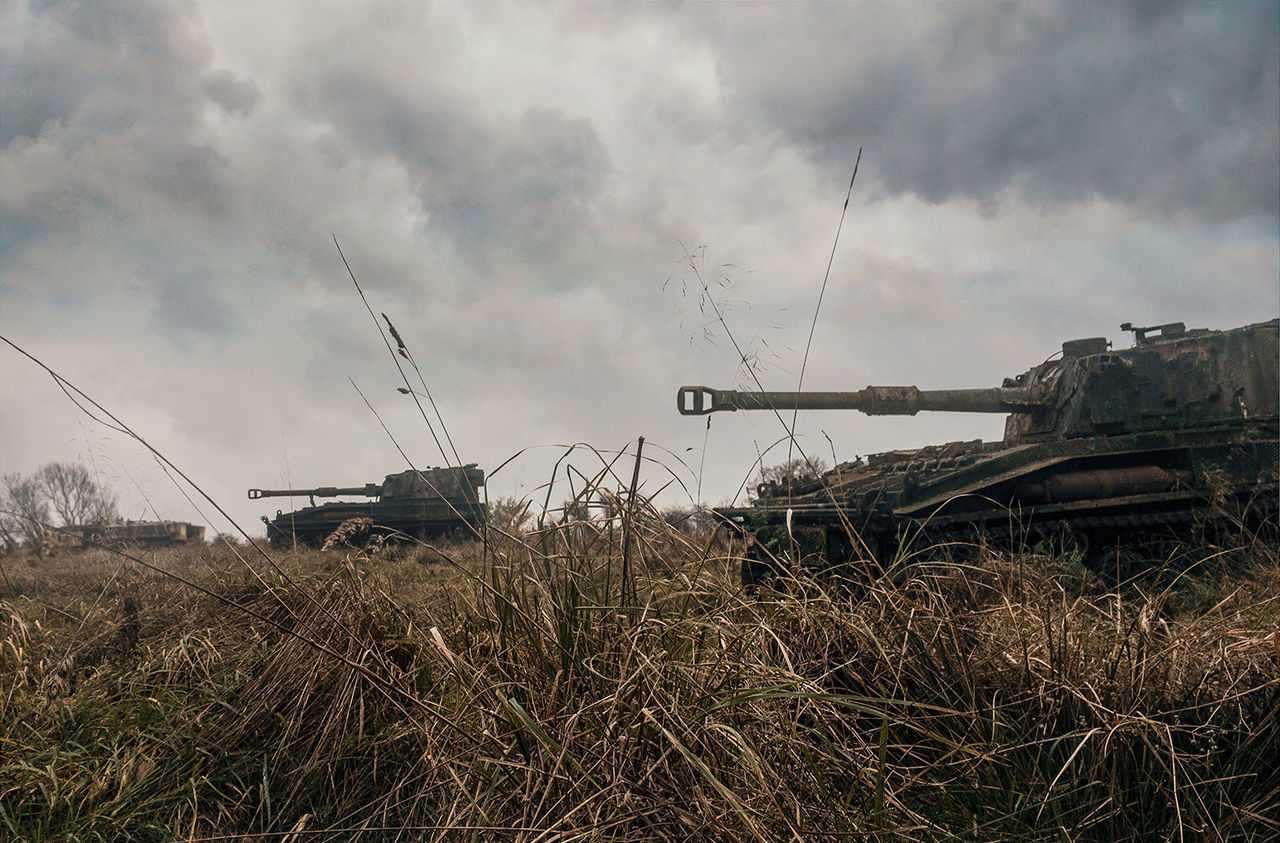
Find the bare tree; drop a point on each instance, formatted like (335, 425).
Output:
(695, 521)
(10, 535)
(62, 493)
(509, 514)
(75, 496)
(24, 510)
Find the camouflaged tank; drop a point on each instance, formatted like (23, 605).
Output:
(409, 505)
(1101, 448)
(123, 534)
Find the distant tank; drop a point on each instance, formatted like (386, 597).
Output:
(129, 533)
(1100, 448)
(411, 504)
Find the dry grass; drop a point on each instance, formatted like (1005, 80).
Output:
(508, 691)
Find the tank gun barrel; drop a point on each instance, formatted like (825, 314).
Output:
(368, 490)
(874, 400)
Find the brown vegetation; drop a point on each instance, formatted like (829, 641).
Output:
(507, 689)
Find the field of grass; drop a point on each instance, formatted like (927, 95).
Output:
(524, 689)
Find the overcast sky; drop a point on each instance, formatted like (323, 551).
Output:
(526, 191)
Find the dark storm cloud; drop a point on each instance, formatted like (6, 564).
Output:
(1171, 108)
(487, 180)
(103, 107)
(100, 67)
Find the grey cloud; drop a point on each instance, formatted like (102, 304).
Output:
(34, 89)
(489, 182)
(234, 95)
(104, 120)
(100, 67)
(1170, 108)
(118, 24)
(188, 306)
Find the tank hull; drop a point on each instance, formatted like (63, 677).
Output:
(136, 533)
(405, 519)
(1096, 491)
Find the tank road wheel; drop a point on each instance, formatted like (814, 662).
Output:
(824, 552)
(1110, 554)
(854, 561)
(755, 571)
(764, 558)
(808, 549)
(774, 551)
(279, 539)
(1064, 541)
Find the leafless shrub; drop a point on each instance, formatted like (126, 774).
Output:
(24, 510)
(58, 493)
(74, 495)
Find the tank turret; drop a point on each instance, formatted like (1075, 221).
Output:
(1102, 443)
(1174, 379)
(413, 504)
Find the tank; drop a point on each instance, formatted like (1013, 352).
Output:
(1101, 447)
(145, 534)
(411, 505)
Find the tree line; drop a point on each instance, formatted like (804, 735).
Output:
(58, 494)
